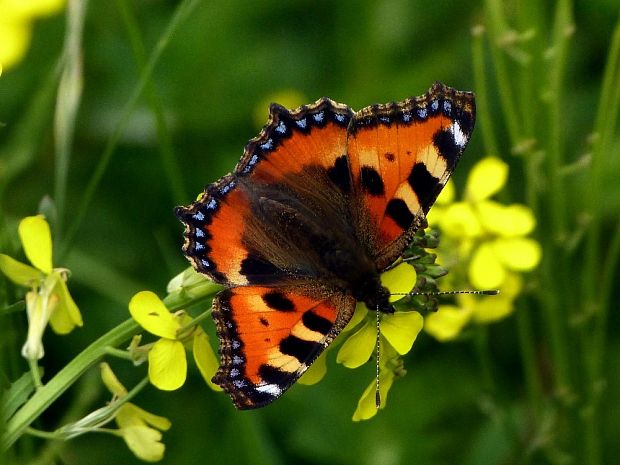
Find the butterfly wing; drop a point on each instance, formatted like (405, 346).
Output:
(229, 231)
(269, 336)
(401, 155)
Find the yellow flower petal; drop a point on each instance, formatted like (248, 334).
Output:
(460, 221)
(486, 178)
(506, 220)
(111, 381)
(401, 329)
(519, 254)
(66, 316)
(39, 307)
(447, 322)
(144, 442)
(485, 269)
(316, 372)
(151, 313)
(446, 196)
(15, 38)
(360, 313)
(366, 406)
(167, 365)
(36, 238)
(205, 358)
(399, 280)
(493, 308)
(131, 415)
(20, 10)
(18, 272)
(358, 348)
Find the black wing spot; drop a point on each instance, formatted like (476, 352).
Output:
(389, 156)
(423, 183)
(371, 181)
(398, 210)
(340, 174)
(278, 301)
(263, 321)
(446, 146)
(298, 348)
(258, 270)
(317, 323)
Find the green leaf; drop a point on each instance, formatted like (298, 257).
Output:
(18, 393)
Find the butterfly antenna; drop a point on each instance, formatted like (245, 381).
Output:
(484, 292)
(377, 392)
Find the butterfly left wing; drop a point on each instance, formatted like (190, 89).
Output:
(269, 336)
(401, 155)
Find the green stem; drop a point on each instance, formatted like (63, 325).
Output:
(497, 29)
(44, 397)
(483, 113)
(181, 14)
(118, 353)
(168, 159)
(528, 360)
(67, 103)
(40, 434)
(36, 375)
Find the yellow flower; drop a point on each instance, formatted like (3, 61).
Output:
(167, 361)
(140, 429)
(449, 320)
(49, 298)
(489, 240)
(16, 18)
(390, 367)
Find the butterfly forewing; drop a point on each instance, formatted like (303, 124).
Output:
(401, 155)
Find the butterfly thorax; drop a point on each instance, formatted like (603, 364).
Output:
(373, 294)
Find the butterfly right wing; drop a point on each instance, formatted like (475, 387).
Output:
(401, 155)
(269, 336)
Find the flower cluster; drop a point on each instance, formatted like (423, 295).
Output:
(141, 430)
(177, 333)
(48, 299)
(16, 26)
(485, 245)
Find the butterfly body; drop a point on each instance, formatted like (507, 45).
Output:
(322, 202)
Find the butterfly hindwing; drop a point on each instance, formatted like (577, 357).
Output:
(270, 336)
(401, 155)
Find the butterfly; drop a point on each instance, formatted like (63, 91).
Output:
(322, 201)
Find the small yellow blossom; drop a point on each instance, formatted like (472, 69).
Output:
(48, 299)
(390, 367)
(167, 361)
(16, 18)
(140, 429)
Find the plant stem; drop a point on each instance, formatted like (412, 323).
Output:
(36, 375)
(181, 14)
(63, 380)
(67, 103)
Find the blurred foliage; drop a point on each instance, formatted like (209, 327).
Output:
(189, 127)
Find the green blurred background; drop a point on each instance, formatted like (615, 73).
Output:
(222, 66)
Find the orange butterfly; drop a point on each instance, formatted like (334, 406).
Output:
(321, 202)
